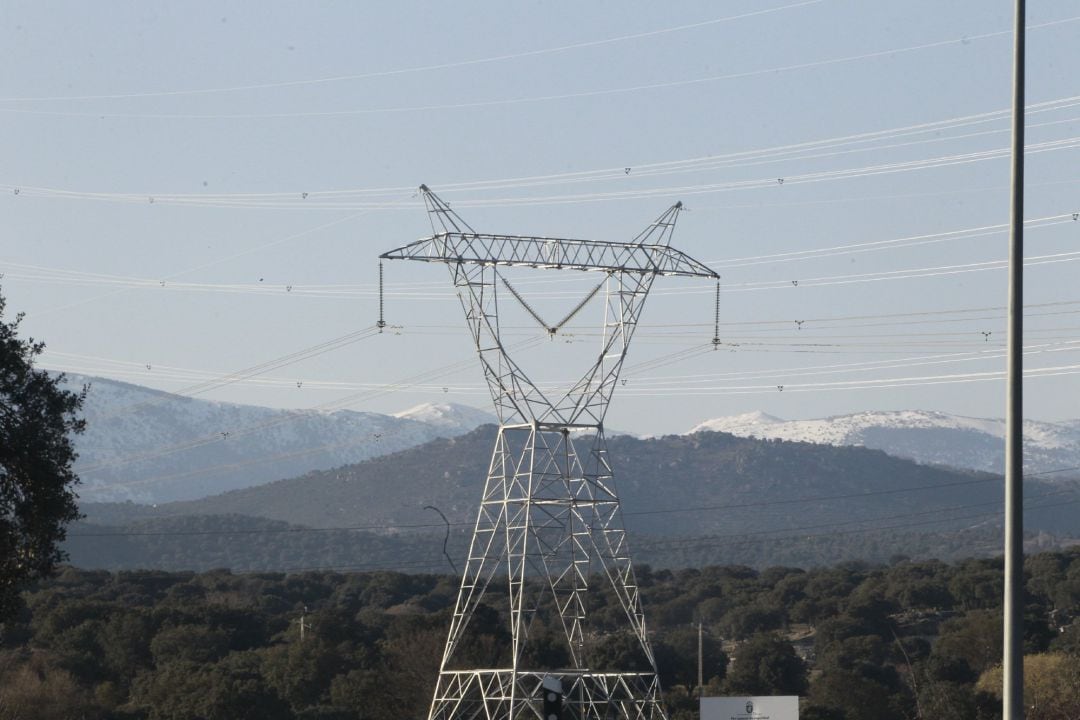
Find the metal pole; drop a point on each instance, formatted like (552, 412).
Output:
(1012, 701)
(700, 658)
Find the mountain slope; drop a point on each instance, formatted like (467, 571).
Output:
(150, 446)
(687, 500)
(927, 437)
(451, 416)
(675, 485)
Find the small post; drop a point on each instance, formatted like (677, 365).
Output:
(302, 622)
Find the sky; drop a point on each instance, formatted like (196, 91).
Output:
(195, 196)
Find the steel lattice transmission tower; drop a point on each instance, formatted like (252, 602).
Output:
(549, 518)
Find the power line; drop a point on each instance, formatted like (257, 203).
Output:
(199, 388)
(131, 369)
(81, 277)
(873, 245)
(642, 387)
(419, 68)
(663, 167)
(868, 384)
(302, 200)
(887, 275)
(814, 253)
(504, 102)
(208, 264)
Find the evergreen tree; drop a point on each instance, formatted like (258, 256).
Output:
(37, 419)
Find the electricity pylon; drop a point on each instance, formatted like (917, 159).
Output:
(549, 517)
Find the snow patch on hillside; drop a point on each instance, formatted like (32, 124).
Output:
(149, 446)
(925, 436)
(448, 415)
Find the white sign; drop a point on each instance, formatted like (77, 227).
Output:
(777, 707)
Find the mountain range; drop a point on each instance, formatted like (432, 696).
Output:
(687, 499)
(699, 483)
(927, 437)
(149, 446)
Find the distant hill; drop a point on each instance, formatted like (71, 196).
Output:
(706, 483)
(150, 446)
(928, 437)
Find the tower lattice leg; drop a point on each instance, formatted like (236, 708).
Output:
(548, 525)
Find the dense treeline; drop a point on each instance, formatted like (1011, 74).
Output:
(912, 639)
(249, 544)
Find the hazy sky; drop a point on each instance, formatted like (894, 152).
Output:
(202, 188)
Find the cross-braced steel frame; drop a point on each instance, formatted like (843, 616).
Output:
(549, 517)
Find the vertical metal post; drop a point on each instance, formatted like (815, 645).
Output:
(700, 658)
(1013, 667)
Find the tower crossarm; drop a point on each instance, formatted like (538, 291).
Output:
(551, 253)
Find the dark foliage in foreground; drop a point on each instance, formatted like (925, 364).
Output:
(858, 642)
(37, 497)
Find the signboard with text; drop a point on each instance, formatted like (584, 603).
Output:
(778, 707)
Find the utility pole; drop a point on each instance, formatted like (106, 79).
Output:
(549, 516)
(700, 659)
(1012, 701)
(303, 623)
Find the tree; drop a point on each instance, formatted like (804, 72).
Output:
(766, 664)
(37, 690)
(232, 689)
(676, 653)
(856, 694)
(1051, 686)
(37, 499)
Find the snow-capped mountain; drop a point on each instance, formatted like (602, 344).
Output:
(927, 437)
(150, 446)
(458, 418)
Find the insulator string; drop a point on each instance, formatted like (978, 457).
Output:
(716, 321)
(381, 323)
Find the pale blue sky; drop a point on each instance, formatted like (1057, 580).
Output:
(225, 114)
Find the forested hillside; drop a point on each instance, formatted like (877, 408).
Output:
(706, 482)
(687, 500)
(857, 642)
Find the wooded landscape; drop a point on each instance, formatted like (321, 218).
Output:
(706, 499)
(910, 639)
